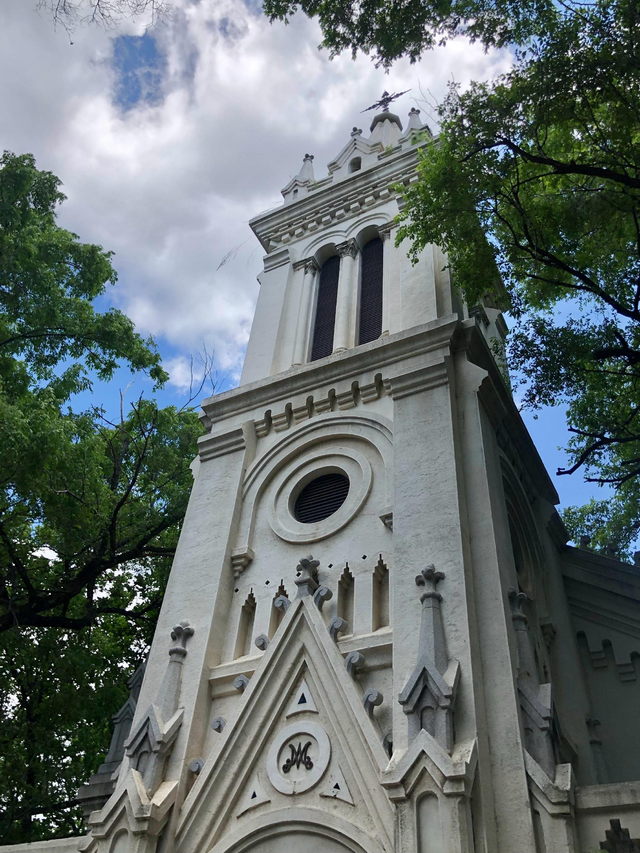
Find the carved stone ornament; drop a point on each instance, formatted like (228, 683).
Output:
(307, 579)
(619, 840)
(428, 696)
(298, 757)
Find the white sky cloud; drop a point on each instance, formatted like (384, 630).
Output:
(170, 187)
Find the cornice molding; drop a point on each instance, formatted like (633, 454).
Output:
(335, 201)
(424, 379)
(210, 446)
(366, 359)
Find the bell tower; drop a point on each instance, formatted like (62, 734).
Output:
(365, 643)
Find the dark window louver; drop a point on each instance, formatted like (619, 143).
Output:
(370, 326)
(326, 309)
(321, 498)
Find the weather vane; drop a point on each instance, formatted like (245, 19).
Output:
(385, 100)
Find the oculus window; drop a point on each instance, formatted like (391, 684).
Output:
(321, 498)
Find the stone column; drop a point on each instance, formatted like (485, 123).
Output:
(388, 257)
(344, 330)
(307, 269)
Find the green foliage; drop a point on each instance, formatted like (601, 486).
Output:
(59, 691)
(389, 30)
(90, 510)
(533, 189)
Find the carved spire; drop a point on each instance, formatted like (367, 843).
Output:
(432, 642)
(167, 699)
(428, 695)
(151, 742)
(306, 171)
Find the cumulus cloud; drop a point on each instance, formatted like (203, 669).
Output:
(168, 141)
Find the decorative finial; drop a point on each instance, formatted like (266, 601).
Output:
(181, 634)
(357, 131)
(308, 157)
(429, 578)
(385, 100)
(307, 580)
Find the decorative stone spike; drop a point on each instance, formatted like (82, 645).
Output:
(371, 699)
(322, 594)
(219, 723)
(240, 683)
(613, 551)
(585, 542)
(262, 642)
(354, 662)
(338, 625)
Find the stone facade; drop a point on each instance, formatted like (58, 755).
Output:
(428, 669)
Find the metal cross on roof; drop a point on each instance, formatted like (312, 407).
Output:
(385, 100)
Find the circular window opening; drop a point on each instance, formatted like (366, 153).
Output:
(321, 498)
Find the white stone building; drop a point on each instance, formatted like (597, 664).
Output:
(444, 674)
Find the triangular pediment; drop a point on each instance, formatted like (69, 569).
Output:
(356, 145)
(287, 760)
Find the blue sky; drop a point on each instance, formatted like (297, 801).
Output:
(168, 140)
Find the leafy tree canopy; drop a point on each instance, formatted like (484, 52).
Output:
(388, 30)
(535, 179)
(90, 509)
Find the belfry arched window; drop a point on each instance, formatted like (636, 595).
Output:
(325, 309)
(370, 320)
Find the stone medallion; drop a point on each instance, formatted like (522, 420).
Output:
(298, 757)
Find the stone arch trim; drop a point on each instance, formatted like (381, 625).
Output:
(376, 220)
(372, 430)
(311, 821)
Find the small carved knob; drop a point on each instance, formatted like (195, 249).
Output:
(218, 724)
(354, 662)
(282, 603)
(262, 641)
(240, 683)
(322, 594)
(371, 699)
(338, 625)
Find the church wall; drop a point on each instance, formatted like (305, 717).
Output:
(261, 347)
(424, 620)
(606, 624)
(503, 791)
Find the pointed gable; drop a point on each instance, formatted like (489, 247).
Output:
(290, 758)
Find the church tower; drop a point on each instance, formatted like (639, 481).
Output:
(370, 640)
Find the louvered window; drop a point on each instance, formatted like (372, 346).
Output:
(370, 326)
(321, 497)
(326, 309)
